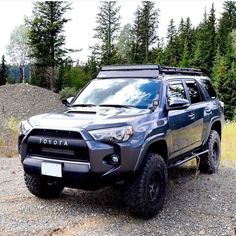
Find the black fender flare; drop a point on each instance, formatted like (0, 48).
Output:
(213, 120)
(148, 142)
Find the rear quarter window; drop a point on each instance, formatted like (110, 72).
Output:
(193, 91)
(209, 88)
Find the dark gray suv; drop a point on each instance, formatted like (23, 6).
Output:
(129, 125)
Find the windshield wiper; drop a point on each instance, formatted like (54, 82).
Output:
(83, 105)
(115, 105)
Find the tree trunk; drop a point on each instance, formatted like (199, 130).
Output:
(21, 74)
(50, 75)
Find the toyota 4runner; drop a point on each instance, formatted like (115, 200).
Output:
(129, 125)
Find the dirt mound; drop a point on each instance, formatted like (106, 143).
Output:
(24, 100)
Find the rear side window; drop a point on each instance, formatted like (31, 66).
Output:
(209, 88)
(176, 90)
(193, 90)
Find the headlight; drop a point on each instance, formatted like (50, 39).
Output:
(25, 126)
(118, 134)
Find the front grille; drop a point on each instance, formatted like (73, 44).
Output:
(56, 133)
(57, 144)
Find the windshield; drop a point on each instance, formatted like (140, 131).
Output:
(119, 92)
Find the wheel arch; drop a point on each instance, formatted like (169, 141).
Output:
(217, 126)
(159, 147)
(155, 146)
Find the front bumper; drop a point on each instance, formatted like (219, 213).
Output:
(84, 174)
(74, 174)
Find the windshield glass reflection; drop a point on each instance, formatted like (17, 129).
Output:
(127, 92)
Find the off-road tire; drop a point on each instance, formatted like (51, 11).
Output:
(209, 162)
(137, 191)
(41, 188)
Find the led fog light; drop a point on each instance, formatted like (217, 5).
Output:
(115, 159)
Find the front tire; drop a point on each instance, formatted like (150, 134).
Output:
(209, 162)
(145, 194)
(41, 188)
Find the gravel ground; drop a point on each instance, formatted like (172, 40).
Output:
(24, 100)
(196, 205)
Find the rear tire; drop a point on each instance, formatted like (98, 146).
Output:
(41, 188)
(145, 193)
(209, 162)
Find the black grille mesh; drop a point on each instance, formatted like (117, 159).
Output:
(80, 153)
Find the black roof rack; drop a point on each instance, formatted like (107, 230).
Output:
(130, 67)
(178, 70)
(148, 70)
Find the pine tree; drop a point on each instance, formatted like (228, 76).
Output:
(108, 25)
(181, 36)
(137, 55)
(159, 53)
(217, 64)
(190, 35)
(224, 80)
(226, 87)
(144, 32)
(171, 56)
(185, 41)
(199, 57)
(205, 44)
(226, 24)
(91, 68)
(185, 57)
(211, 38)
(61, 81)
(3, 72)
(149, 25)
(124, 44)
(46, 39)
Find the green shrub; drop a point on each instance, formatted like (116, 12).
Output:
(77, 78)
(67, 92)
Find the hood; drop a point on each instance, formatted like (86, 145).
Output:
(89, 118)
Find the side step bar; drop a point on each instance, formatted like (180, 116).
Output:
(185, 159)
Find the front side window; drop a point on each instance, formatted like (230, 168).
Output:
(209, 88)
(193, 90)
(176, 90)
(120, 92)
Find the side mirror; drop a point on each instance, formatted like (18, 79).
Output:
(67, 101)
(154, 104)
(178, 103)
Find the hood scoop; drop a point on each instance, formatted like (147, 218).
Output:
(81, 112)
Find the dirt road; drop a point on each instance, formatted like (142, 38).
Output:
(196, 205)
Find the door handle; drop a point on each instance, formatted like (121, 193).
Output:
(191, 116)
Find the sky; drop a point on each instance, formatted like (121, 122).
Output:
(79, 31)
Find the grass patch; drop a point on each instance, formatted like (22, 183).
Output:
(229, 145)
(9, 142)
